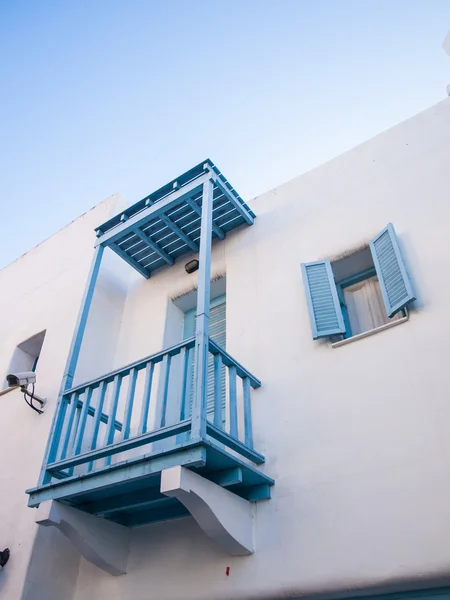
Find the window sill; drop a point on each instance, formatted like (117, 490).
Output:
(365, 334)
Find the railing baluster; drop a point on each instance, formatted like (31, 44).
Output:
(129, 405)
(98, 416)
(247, 413)
(146, 398)
(112, 414)
(184, 354)
(55, 444)
(82, 423)
(218, 390)
(166, 373)
(65, 445)
(233, 402)
(188, 398)
(74, 434)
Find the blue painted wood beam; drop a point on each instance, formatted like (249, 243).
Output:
(178, 196)
(259, 492)
(180, 233)
(251, 474)
(56, 428)
(196, 208)
(233, 200)
(198, 431)
(148, 240)
(176, 230)
(229, 361)
(138, 364)
(134, 469)
(234, 444)
(130, 501)
(144, 517)
(61, 475)
(80, 327)
(228, 477)
(161, 193)
(104, 418)
(127, 258)
(123, 446)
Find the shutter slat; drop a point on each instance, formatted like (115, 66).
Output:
(395, 285)
(323, 303)
(217, 332)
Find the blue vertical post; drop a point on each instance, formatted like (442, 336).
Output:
(198, 427)
(80, 328)
(71, 364)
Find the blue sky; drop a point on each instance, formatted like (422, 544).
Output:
(102, 96)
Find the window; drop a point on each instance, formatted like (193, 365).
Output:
(360, 292)
(26, 355)
(360, 298)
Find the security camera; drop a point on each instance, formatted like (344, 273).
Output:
(24, 380)
(18, 379)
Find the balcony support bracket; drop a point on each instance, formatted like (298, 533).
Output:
(223, 516)
(103, 543)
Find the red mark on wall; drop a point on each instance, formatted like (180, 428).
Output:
(227, 571)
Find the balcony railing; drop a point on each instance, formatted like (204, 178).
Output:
(147, 403)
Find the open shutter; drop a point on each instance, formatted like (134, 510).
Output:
(394, 281)
(322, 298)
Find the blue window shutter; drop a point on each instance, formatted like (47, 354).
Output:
(392, 276)
(217, 332)
(323, 303)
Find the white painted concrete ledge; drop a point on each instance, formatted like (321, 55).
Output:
(365, 334)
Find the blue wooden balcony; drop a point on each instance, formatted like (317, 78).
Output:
(188, 405)
(105, 456)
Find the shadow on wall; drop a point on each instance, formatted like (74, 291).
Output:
(53, 568)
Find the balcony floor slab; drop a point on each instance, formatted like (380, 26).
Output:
(128, 493)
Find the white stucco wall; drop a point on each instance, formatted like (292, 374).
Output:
(41, 290)
(355, 437)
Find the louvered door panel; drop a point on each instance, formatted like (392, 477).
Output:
(217, 332)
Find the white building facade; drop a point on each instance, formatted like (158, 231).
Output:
(303, 452)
